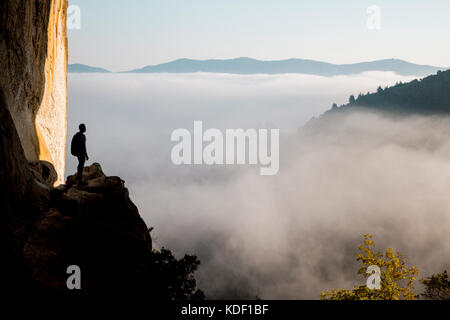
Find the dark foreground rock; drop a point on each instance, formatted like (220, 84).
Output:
(96, 227)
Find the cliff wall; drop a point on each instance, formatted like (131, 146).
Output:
(33, 63)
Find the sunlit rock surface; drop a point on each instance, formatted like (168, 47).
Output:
(33, 63)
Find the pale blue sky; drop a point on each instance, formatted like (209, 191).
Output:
(121, 35)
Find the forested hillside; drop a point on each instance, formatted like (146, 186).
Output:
(429, 95)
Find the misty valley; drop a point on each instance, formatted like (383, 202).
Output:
(293, 234)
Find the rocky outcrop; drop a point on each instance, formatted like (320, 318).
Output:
(96, 227)
(33, 60)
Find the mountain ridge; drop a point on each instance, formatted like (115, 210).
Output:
(246, 65)
(83, 68)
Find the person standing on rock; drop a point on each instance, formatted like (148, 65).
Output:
(78, 149)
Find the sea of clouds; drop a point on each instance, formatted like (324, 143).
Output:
(287, 236)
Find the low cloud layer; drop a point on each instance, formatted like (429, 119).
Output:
(285, 236)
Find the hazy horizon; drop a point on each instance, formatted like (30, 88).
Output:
(262, 60)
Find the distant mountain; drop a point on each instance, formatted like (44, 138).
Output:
(430, 95)
(82, 68)
(253, 66)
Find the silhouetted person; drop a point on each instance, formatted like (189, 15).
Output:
(78, 149)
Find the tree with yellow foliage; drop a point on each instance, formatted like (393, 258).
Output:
(397, 281)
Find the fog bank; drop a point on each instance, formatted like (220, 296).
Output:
(287, 236)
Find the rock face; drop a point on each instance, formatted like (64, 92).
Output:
(16, 209)
(33, 60)
(96, 227)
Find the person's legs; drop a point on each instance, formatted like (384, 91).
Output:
(80, 167)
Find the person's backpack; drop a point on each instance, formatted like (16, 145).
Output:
(75, 146)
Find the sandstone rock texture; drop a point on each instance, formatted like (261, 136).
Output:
(33, 63)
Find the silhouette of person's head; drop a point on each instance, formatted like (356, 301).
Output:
(82, 128)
